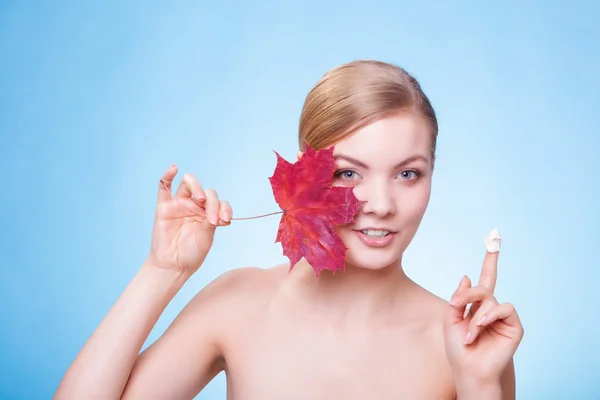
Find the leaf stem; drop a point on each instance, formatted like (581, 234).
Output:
(258, 216)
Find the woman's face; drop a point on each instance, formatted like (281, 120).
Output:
(389, 165)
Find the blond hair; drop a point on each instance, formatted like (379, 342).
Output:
(355, 94)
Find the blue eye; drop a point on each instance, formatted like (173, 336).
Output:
(346, 174)
(409, 174)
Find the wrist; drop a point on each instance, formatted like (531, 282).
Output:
(154, 264)
(468, 387)
(171, 278)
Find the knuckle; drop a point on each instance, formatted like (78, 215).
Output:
(188, 179)
(184, 181)
(490, 302)
(211, 195)
(485, 292)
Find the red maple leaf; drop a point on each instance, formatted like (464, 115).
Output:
(312, 207)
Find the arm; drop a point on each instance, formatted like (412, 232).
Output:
(184, 227)
(102, 367)
(189, 354)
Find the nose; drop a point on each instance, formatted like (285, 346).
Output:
(379, 198)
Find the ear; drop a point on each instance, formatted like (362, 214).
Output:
(299, 155)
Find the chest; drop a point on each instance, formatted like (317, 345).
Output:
(303, 361)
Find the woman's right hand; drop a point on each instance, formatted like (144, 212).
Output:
(184, 224)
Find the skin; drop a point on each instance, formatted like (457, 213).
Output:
(278, 334)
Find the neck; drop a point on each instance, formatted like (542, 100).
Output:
(358, 293)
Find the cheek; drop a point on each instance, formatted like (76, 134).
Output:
(413, 203)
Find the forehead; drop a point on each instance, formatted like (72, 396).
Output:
(392, 139)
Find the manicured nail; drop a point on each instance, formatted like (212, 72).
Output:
(482, 319)
(468, 338)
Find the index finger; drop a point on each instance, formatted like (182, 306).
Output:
(489, 269)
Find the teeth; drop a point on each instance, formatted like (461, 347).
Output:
(375, 232)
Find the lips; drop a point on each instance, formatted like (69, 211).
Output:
(375, 229)
(375, 236)
(375, 232)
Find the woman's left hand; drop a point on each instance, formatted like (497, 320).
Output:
(481, 345)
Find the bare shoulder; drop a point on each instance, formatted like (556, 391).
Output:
(237, 295)
(236, 284)
(431, 308)
(191, 351)
(429, 315)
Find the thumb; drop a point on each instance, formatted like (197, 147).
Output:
(456, 313)
(164, 188)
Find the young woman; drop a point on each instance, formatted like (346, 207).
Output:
(369, 332)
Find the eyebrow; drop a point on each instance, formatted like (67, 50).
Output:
(354, 161)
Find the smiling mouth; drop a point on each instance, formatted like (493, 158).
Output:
(375, 237)
(375, 233)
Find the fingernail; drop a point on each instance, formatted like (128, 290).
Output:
(482, 319)
(468, 338)
(454, 301)
(198, 196)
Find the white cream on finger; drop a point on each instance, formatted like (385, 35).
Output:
(492, 241)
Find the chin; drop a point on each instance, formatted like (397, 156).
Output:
(370, 263)
(361, 255)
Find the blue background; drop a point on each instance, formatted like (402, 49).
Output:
(98, 98)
